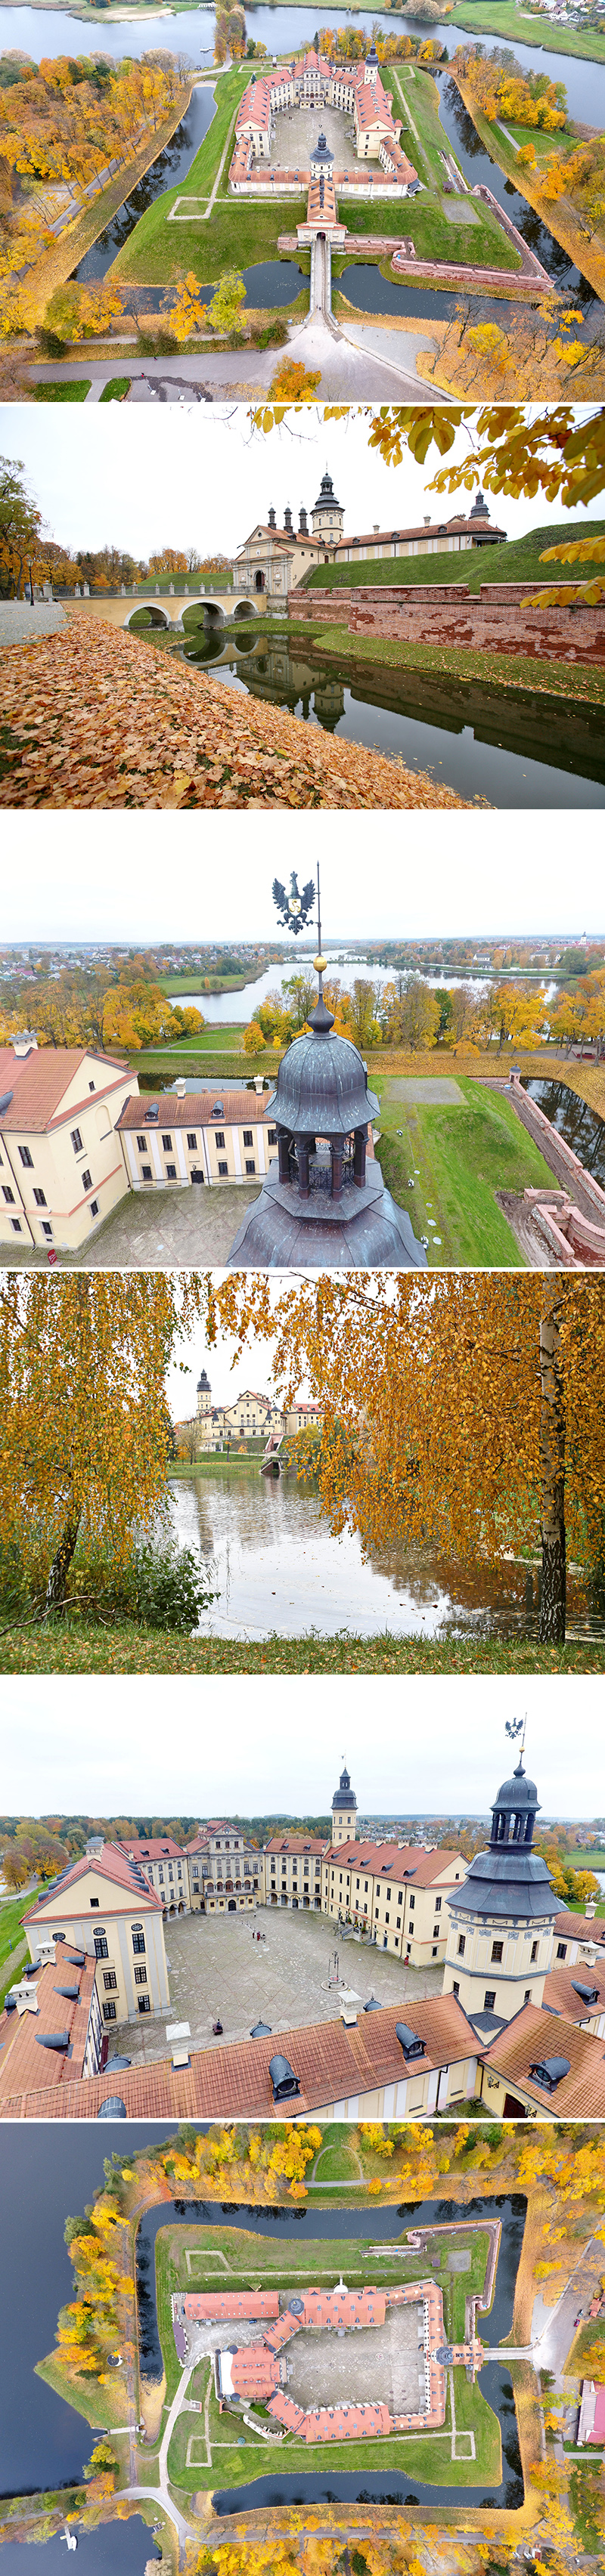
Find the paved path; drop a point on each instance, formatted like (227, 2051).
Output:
(175, 2410)
(18, 622)
(553, 2328)
(362, 361)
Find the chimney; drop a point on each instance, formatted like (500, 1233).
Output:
(25, 1043)
(302, 522)
(180, 1088)
(427, 523)
(288, 521)
(376, 527)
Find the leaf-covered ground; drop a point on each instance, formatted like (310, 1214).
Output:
(135, 1650)
(91, 717)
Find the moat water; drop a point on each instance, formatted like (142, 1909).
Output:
(510, 748)
(580, 1126)
(266, 1550)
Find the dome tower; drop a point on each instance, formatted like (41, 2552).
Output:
(501, 1918)
(323, 1203)
(327, 516)
(204, 1396)
(344, 1811)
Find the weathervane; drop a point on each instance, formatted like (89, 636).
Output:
(516, 1726)
(293, 909)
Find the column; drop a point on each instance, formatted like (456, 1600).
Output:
(302, 1151)
(337, 1152)
(359, 1163)
(283, 1154)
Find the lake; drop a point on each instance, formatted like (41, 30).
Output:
(266, 1548)
(510, 748)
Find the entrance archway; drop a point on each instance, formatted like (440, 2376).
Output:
(232, 1907)
(259, 581)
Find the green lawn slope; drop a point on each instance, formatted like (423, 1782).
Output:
(462, 1157)
(518, 559)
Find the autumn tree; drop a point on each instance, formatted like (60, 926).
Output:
(466, 1409)
(187, 314)
(85, 1432)
(20, 528)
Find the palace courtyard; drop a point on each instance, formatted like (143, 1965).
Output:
(218, 1970)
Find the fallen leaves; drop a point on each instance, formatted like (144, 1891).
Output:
(91, 719)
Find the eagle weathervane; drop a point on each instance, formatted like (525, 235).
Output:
(293, 909)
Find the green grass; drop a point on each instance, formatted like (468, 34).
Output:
(13, 1945)
(504, 19)
(237, 235)
(495, 670)
(86, 2396)
(175, 984)
(336, 2164)
(587, 1859)
(116, 389)
(463, 1157)
(418, 93)
(478, 245)
(517, 560)
(55, 390)
(207, 1041)
(129, 1649)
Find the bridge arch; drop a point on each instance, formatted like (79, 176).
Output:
(246, 607)
(147, 613)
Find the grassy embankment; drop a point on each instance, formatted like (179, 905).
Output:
(249, 2260)
(520, 26)
(462, 1156)
(128, 1649)
(13, 1946)
(562, 217)
(237, 235)
(517, 559)
(497, 671)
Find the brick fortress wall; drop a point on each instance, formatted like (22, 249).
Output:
(496, 619)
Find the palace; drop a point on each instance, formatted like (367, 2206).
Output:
(249, 1417)
(275, 560)
(519, 2022)
(356, 91)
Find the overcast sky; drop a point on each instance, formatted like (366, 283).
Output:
(210, 1747)
(254, 1371)
(171, 877)
(202, 476)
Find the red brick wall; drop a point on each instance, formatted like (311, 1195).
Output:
(497, 619)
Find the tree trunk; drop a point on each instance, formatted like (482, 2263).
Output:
(55, 1589)
(551, 1629)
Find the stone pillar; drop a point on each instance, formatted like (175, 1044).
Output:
(283, 1154)
(337, 1153)
(302, 1152)
(359, 1163)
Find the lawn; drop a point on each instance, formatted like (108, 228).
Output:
(518, 560)
(508, 22)
(462, 1156)
(220, 1037)
(420, 102)
(496, 670)
(237, 235)
(175, 984)
(481, 245)
(13, 1945)
(128, 1649)
(57, 390)
(116, 390)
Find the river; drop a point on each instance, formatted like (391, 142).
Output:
(266, 1549)
(53, 31)
(511, 748)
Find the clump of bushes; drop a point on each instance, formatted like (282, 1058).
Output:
(269, 335)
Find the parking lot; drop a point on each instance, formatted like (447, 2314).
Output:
(218, 1971)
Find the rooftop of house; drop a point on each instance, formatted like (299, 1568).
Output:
(537, 2037)
(25, 2062)
(152, 1849)
(197, 1109)
(390, 1860)
(296, 1843)
(577, 1991)
(33, 1087)
(116, 1871)
(458, 526)
(579, 1927)
(331, 2062)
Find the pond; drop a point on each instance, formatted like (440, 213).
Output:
(580, 1126)
(378, 2226)
(266, 1548)
(509, 747)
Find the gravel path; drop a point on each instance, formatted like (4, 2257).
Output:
(18, 622)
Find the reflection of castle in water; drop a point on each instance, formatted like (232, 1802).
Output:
(278, 673)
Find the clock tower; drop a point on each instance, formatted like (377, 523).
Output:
(344, 1811)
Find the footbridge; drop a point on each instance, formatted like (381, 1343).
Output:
(138, 609)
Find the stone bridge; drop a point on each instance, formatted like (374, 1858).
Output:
(165, 608)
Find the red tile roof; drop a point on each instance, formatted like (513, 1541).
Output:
(535, 2035)
(295, 1843)
(561, 1990)
(112, 1865)
(24, 2064)
(233, 2081)
(448, 527)
(387, 1860)
(141, 1851)
(579, 1927)
(197, 1109)
(41, 1080)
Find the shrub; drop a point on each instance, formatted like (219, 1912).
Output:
(157, 344)
(169, 1590)
(49, 342)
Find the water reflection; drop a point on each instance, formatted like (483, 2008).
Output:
(477, 165)
(266, 1549)
(579, 1125)
(512, 748)
(172, 164)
